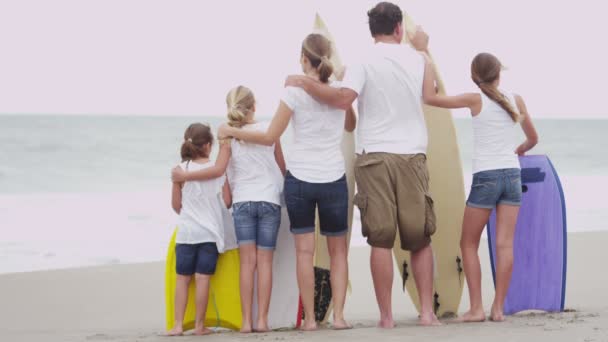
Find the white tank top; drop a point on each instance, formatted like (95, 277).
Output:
(494, 135)
(253, 172)
(202, 218)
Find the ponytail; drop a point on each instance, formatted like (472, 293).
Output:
(240, 102)
(498, 97)
(485, 70)
(189, 151)
(196, 139)
(317, 48)
(325, 69)
(236, 117)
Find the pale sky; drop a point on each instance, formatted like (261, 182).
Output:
(178, 57)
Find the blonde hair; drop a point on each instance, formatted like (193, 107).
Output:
(485, 69)
(317, 48)
(240, 102)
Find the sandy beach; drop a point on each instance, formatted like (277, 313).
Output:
(126, 303)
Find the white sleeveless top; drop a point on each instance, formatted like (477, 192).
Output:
(253, 172)
(203, 214)
(494, 135)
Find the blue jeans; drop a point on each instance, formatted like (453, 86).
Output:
(330, 199)
(493, 187)
(257, 222)
(198, 258)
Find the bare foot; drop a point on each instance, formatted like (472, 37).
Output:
(386, 324)
(309, 326)
(202, 331)
(246, 328)
(176, 331)
(262, 326)
(472, 317)
(497, 317)
(341, 324)
(496, 314)
(429, 320)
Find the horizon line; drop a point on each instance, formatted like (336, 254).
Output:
(261, 116)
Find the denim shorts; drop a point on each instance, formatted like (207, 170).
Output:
(494, 187)
(331, 200)
(257, 223)
(198, 258)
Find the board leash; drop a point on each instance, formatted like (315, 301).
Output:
(459, 267)
(436, 303)
(405, 274)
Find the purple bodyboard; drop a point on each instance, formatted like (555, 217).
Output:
(540, 244)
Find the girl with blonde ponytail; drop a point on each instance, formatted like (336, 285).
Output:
(255, 175)
(316, 178)
(496, 173)
(241, 106)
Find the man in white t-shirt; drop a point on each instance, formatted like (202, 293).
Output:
(391, 172)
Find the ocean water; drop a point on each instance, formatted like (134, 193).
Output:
(89, 190)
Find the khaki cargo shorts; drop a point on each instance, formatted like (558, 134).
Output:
(393, 193)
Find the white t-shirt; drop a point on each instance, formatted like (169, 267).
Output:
(253, 172)
(315, 155)
(203, 214)
(494, 136)
(388, 81)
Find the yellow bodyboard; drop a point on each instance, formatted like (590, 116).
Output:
(224, 308)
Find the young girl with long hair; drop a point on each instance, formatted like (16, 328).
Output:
(496, 173)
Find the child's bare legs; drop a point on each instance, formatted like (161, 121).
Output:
(202, 298)
(338, 277)
(305, 250)
(181, 300)
(264, 268)
(506, 219)
(248, 258)
(475, 219)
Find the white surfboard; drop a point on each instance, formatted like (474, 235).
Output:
(447, 190)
